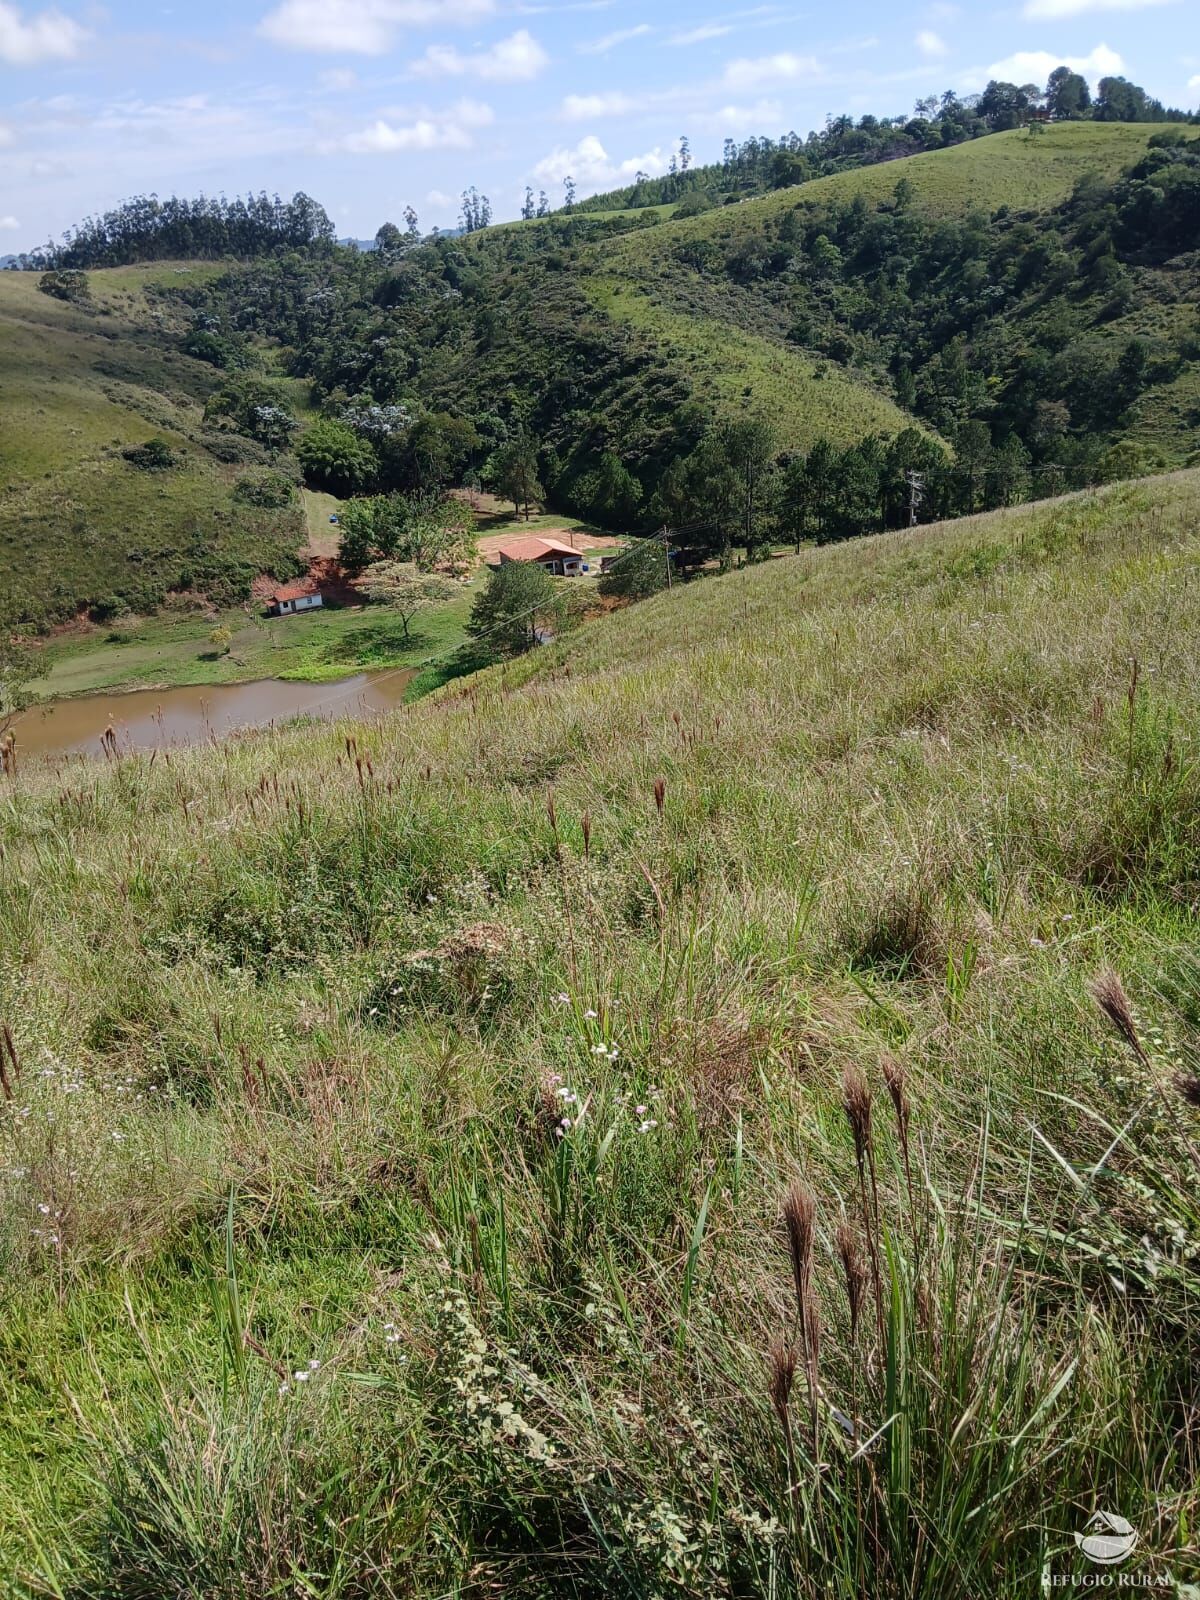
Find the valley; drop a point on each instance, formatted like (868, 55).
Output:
(600, 821)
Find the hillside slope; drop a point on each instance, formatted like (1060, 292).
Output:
(402, 1115)
(80, 525)
(1015, 315)
(736, 322)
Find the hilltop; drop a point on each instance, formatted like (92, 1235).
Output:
(402, 1115)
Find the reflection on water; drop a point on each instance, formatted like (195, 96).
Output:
(164, 718)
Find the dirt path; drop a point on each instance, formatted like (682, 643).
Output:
(324, 538)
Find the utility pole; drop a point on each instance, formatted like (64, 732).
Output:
(666, 539)
(916, 494)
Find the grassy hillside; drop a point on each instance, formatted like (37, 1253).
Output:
(1014, 169)
(735, 369)
(734, 336)
(402, 1116)
(78, 386)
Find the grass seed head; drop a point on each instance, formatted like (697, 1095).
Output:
(855, 1272)
(782, 1376)
(1108, 992)
(856, 1102)
(800, 1220)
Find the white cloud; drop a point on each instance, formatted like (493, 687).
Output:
(1194, 83)
(513, 60)
(447, 130)
(1057, 10)
(7, 135)
(610, 41)
(931, 45)
(1035, 66)
(338, 80)
(49, 36)
(781, 68)
(179, 121)
(706, 30)
(361, 27)
(584, 107)
(592, 168)
(9, 224)
(733, 119)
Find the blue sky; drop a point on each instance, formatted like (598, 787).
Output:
(370, 105)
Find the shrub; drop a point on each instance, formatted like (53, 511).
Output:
(268, 492)
(66, 285)
(155, 455)
(204, 345)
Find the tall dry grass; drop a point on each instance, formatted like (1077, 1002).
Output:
(716, 1179)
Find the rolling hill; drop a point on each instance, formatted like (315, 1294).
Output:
(735, 336)
(400, 1121)
(1018, 310)
(80, 525)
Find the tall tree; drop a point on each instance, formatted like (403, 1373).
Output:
(615, 494)
(431, 454)
(389, 242)
(1067, 95)
(821, 470)
(795, 500)
(476, 210)
(514, 473)
(973, 449)
(336, 458)
(520, 602)
(750, 446)
(1118, 100)
(714, 504)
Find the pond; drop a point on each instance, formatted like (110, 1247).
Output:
(164, 719)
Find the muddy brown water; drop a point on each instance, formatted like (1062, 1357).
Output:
(165, 719)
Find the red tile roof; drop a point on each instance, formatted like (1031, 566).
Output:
(533, 549)
(299, 589)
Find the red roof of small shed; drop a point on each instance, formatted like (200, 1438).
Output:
(299, 589)
(534, 549)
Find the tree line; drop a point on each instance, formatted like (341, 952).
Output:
(757, 165)
(206, 228)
